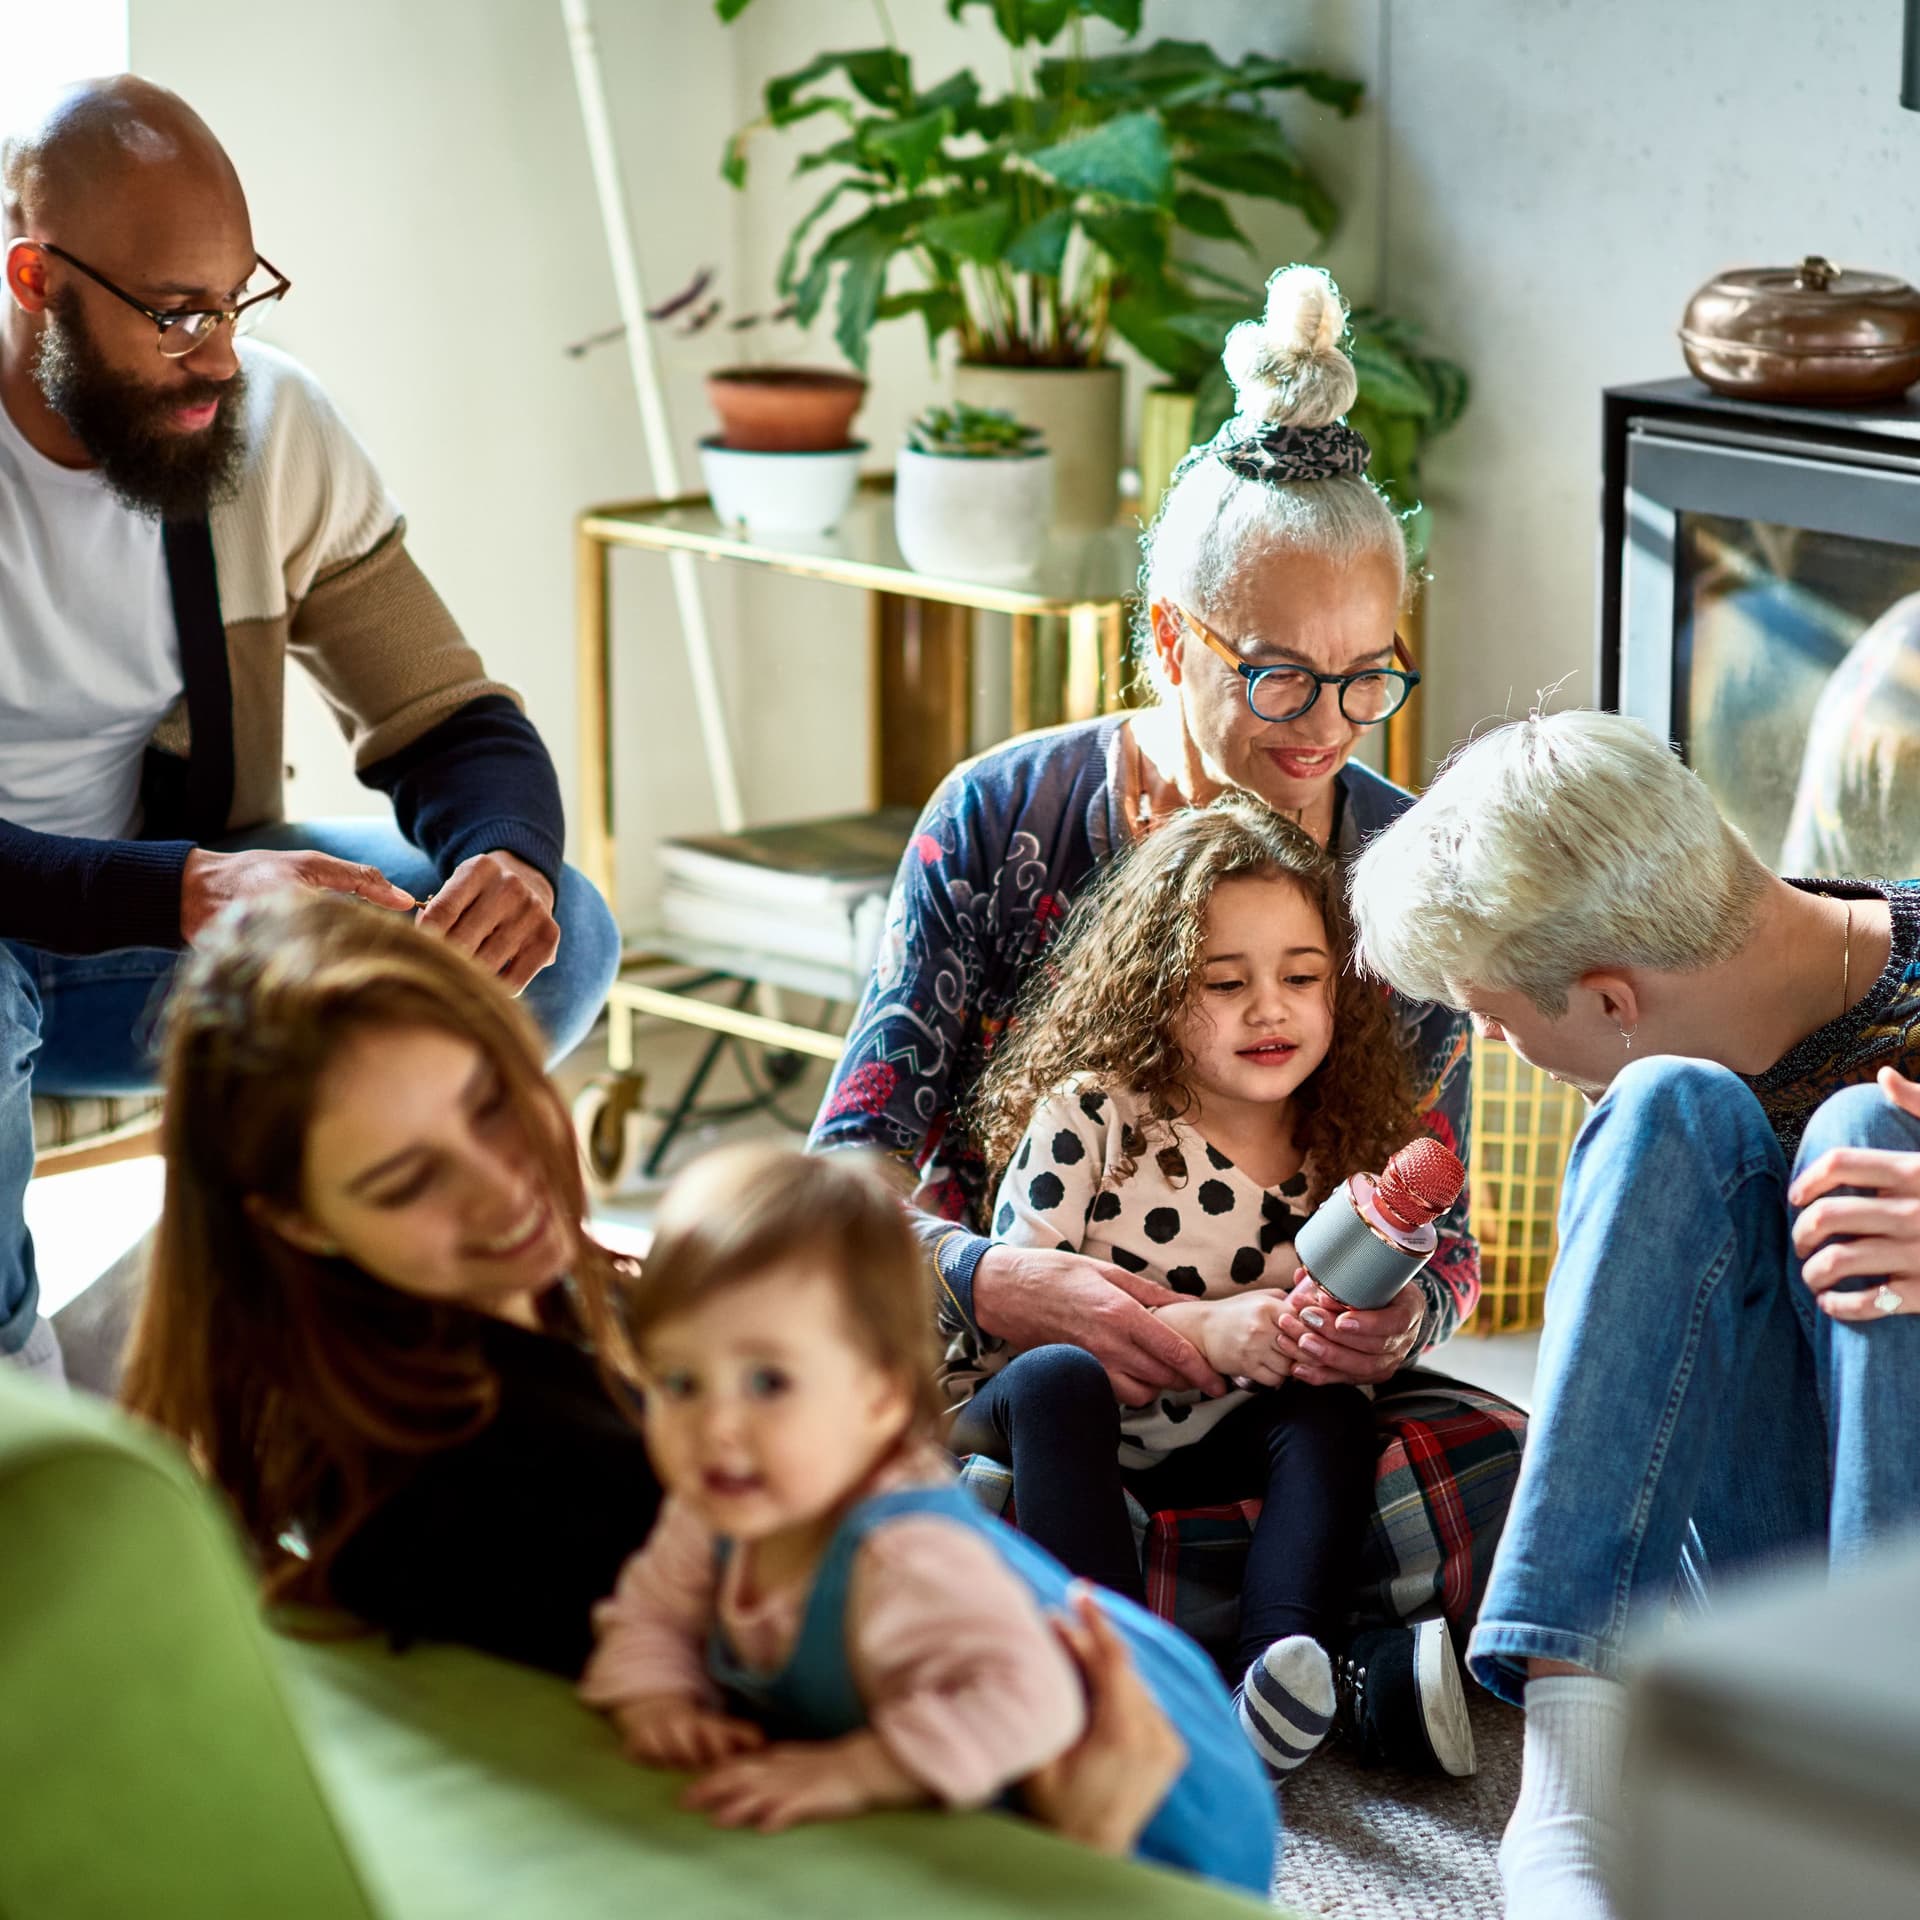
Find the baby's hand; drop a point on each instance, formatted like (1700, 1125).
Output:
(1238, 1337)
(669, 1730)
(803, 1780)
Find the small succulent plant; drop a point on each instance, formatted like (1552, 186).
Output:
(980, 433)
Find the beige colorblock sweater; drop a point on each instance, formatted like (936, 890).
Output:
(306, 560)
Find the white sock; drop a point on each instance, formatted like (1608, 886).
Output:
(1561, 1856)
(1285, 1702)
(41, 1355)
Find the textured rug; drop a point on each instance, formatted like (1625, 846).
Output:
(1395, 1846)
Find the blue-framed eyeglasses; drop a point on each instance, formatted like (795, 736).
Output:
(1285, 693)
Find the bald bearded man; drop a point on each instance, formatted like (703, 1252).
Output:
(178, 514)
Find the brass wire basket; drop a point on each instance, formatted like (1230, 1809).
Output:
(1523, 1125)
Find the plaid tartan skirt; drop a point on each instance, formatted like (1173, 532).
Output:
(1449, 1457)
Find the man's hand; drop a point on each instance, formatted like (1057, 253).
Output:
(669, 1730)
(803, 1780)
(1331, 1344)
(1237, 1335)
(500, 910)
(211, 881)
(1878, 1230)
(1032, 1298)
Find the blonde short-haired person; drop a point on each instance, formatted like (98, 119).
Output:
(1733, 1340)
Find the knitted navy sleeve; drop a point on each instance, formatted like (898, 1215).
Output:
(479, 782)
(89, 896)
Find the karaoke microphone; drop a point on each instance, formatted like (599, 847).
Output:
(1369, 1237)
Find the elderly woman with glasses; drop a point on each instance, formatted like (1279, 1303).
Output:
(1273, 576)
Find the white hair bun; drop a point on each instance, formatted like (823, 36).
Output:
(1288, 367)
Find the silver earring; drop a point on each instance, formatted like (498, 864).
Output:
(1626, 1036)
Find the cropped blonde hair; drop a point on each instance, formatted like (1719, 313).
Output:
(1546, 848)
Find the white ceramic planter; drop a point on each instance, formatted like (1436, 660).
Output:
(781, 492)
(1078, 411)
(973, 516)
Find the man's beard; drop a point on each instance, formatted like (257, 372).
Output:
(153, 468)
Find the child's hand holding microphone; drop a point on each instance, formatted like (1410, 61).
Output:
(1365, 1242)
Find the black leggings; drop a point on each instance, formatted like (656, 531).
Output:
(1307, 1453)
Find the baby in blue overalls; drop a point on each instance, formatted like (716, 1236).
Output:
(822, 1622)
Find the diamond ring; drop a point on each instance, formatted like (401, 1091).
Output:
(1887, 1301)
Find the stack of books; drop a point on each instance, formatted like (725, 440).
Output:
(815, 890)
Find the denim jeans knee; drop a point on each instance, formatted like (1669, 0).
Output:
(1859, 1116)
(19, 1042)
(1668, 1091)
(1865, 1369)
(568, 996)
(1669, 1350)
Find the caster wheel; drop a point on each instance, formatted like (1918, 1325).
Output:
(782, 1066)
(614, 1129)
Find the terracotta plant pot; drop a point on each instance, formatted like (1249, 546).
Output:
(785, 409)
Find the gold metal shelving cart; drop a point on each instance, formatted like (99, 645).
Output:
(1068, 642)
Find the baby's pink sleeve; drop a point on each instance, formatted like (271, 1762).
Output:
(963, 1680)
(650, 1636)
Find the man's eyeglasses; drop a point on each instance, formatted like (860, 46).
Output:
(1285, 693)
(182, 330)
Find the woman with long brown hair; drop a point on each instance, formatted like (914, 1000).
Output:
(376, 1322)
(374, 1317)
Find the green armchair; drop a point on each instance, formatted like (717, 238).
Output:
(164, 1755)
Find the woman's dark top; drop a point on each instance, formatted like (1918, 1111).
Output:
(504, 1542)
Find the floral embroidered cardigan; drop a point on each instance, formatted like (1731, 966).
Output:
(996, 859)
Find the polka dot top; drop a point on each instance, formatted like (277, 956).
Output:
(1186, 1216)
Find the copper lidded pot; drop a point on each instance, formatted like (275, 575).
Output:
(1816, 333)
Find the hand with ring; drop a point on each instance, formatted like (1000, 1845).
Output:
(1859, 1222)
(1331, 1344)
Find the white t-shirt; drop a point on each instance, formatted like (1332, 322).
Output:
(89, 655)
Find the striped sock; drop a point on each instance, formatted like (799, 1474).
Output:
(1285, 1703)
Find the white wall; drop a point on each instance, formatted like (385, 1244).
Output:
(1560, 179)
(420, 172)
(48, 45)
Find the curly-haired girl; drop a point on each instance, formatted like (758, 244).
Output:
(1198, 1073)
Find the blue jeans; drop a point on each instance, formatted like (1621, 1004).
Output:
(87, 1023)
(1687, 1380)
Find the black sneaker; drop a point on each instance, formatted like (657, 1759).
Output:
(1401, 1703)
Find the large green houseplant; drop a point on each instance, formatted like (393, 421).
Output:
(1039, 222)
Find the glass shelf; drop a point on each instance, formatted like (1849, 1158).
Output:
(1066, 643)
(1077, 570)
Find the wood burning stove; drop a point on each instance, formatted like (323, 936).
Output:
(1760, 606)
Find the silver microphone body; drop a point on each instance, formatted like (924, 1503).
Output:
(1353, 1250)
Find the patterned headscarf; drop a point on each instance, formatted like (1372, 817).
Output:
(1280, 455)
